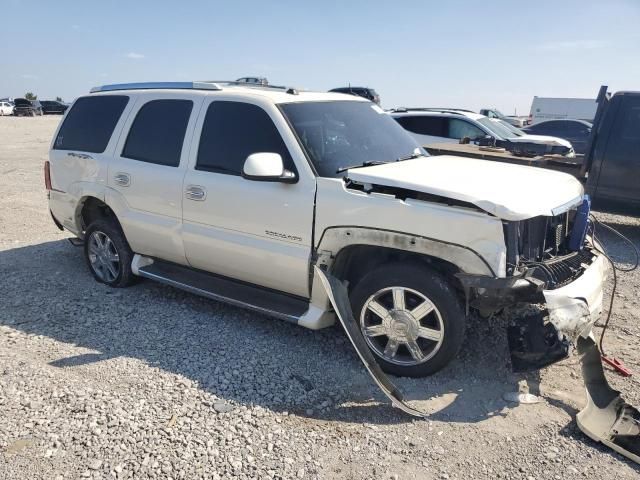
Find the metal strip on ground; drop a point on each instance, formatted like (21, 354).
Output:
(339, 297)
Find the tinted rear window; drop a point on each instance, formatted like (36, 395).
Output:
(231, 132)
(424, 125)
(21, 102)
(90, 123)
(157, 133)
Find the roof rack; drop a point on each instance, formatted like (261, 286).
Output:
(157, 85)
(202, 85)
(289, 90)
(456, 111)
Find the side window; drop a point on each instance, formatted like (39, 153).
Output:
(234, 130)
(157, 133)
(626, 125)
(574, 128)
(90, 123)
(424, 125)
(461, 128)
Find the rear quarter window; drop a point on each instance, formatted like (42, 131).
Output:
(90, 123)
(424, 125)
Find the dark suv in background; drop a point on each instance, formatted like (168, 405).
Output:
(23, 107)
(366, 92)
(53, 107)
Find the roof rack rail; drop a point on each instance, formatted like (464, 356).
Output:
(201, 85)
(455, 111)
(289, 90)
(157, 85)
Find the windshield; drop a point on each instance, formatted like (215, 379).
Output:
(497, 129)
(515, 130)
(343, 133)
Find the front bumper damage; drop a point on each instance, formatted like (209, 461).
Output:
(540, 337)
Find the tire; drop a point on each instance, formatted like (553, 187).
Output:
(397, 336)
(108, 254)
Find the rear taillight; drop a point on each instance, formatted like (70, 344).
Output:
(47, 175)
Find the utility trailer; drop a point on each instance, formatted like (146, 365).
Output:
(609, 169)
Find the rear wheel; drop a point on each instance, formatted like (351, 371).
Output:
(410, 317)
(108, 254)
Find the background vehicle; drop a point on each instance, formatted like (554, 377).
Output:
(253, 80)
(53, 107)
(24, 107)
(611, 165)
(450, 126)
(547, 108)
(6, 108)
(364, 92)
(513, 120)
(575, 131)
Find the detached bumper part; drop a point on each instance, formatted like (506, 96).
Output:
(607, 418)
(339, 297)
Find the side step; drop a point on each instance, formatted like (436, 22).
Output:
(265, 301)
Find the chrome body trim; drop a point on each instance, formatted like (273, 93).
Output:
(157, 85)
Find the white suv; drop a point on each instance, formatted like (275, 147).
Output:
(255, 195)
(450, 125)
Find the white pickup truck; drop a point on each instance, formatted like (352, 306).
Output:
(307, 206)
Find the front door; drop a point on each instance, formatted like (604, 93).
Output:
(618, 179)
(254, 231)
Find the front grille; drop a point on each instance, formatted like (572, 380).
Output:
(560, 271)
(541, 238)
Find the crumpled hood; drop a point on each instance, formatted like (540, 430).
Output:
(510, 192)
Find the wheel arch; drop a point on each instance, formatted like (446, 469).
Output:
(91, 208)
(353, 261)
(348, 251)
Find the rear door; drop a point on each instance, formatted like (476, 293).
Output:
(146, 172)
(254, 231)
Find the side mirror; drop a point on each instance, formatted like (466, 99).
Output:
(267, 167)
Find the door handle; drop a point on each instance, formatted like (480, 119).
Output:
(123, 179)
(195, 192)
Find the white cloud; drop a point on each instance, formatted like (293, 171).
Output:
(572, 45)
(134, 55)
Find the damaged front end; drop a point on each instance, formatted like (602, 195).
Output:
(556, 287)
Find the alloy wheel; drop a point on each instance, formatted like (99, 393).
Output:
(402, 326)
(103, 257)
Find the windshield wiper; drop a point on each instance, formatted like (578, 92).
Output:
(370, 163)
(411, 156)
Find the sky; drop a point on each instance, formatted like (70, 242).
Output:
(463, 54)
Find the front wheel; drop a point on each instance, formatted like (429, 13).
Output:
(410, 317)
(108, 254)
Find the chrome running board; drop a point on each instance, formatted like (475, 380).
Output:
(222, 289)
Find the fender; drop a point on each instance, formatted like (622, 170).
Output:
(466, 259)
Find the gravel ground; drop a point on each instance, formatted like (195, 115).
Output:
(151, 382)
